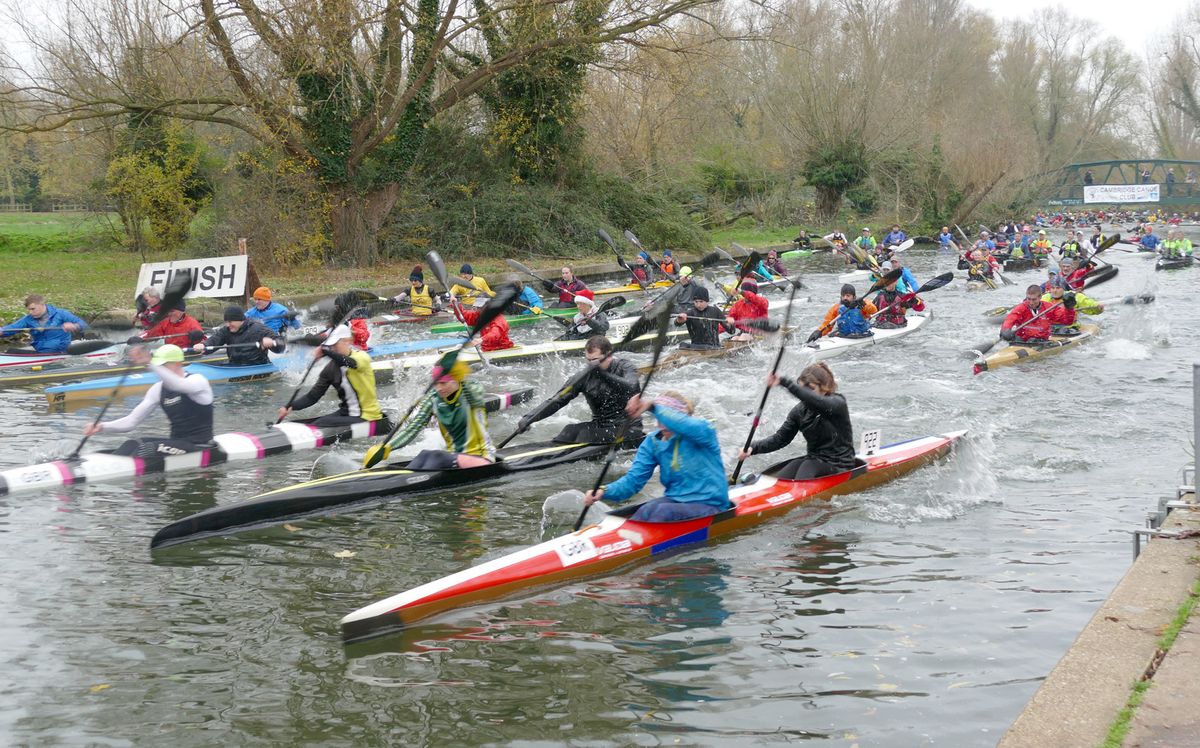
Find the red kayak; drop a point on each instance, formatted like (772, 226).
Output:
(618, 541)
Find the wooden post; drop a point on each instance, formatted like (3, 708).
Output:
(252, 281)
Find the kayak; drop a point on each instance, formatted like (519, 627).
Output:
(856, 276)
(997, 314)
(631, 288)
(796, 254)
(39, 377)
(400, 316)
(99, 389)
(363, 486)
(514, 320)
(684, 356)
(1173, 263)
(1017, 353)
(41, 359)
(833, 345)
(1100, 275)
(617, 541)
(289, 436)
(976, 285)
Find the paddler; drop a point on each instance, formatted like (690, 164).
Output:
(177, 328)
(420, 299)
(774, 264)
(1040, 246)
(494, 335)
(687, 454)
(567, 288)
(147, 303)
(275, 316)
(588, 321)
(848, 318)
(1072, 246)
(688, 288)
(1071, 303)
(822, 416)
(459, 407)
(946, 239)
(704, 321)
(350, 375)
(668, 265)
(908, 281)
(750, 305)
(1150, 240)
(837, 239)
(643, 268)
(247, 340)
(49, 327)
(865, 241)
(607, 387)
(187, 399)
(469, 288)
(1036, 331)
(893, 306)
(895, 237)
(527, 301)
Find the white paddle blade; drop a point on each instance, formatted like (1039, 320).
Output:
(564, 507)
(332, 463)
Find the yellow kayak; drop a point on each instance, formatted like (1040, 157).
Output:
(1018, 353)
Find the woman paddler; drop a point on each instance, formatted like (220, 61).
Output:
(688, 457)
(459, 407)
(350, 375)
(822, 416)
(187, 399)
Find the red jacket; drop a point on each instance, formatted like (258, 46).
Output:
(750, 306)
(893, 306)
(1021, 313)
(1059, 315)
(1075, 279)
(177, 332)
(493, 337)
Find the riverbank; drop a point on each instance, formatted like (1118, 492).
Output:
(1131, 677)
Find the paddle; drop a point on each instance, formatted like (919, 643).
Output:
(439, 271)
(522, 269)
(892, 275)
(177, 288)
(711, 277)
(344, 305)
(1000, 275)
(620, 260)
(660, 314)
(932, 284)
(985, 347)
(762, 403)
(494, 308)
(571, 324)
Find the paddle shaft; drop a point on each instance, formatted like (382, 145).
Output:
(762, 403)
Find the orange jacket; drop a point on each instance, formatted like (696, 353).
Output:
(830, 322)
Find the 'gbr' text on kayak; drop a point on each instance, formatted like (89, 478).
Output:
(211, 276)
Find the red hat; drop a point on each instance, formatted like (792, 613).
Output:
(586, 294)
(750, 285)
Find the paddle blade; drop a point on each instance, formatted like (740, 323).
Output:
(438, 267)
(348, 302)
(612, 303)
(907, 243)
(748, 266)
(857, 254)
(634, 240)
(935, 282)
(607, 239)
(890, 276)
(494, 307)
(710, 259)
(177, 288)
(724, 255)
(376, 454)
(83, 347)
(518, 267)
(1107, 243)
(660, 309)
(760, 323)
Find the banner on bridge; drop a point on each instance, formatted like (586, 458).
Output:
(212, 276)
(1121, 193)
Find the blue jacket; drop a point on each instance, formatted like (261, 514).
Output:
(945, 240)
(895, 237)
(909, 279)
(48, 341)
(529, 297)
(850, 321)
(1151, 241)
(273, 317)
(689, 463)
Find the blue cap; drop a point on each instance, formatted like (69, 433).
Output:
(466, 269)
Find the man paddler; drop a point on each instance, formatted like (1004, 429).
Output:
(350, 375)
(49, 327)
(469, 288)
(176, 328)
(687, 454)
(460, 409)
(247, 341)
(421, 300)
(1036, 329)
(568, 288)
(893, 306)
(704, 321)
(749, 306)
(608, 384)
(1069, 305)
(848, 318)
(187, 400)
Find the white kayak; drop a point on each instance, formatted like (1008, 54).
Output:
(856, 276)
(831, 345)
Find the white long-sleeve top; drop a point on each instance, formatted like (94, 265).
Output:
(195, 387)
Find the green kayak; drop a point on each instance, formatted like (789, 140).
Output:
(514, 320)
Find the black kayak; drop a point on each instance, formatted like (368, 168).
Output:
(1173, 263)
(365, 487)
(1100, 275)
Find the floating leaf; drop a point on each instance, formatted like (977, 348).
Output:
(99, 688)
(345, 554)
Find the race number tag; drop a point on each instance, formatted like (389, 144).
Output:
(573, 550)
(870, 442)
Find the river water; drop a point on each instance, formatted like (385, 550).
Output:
(924, 612)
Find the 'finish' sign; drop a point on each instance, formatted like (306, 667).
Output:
(212, 276)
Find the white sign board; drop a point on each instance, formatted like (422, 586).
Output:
(1121, 193)
(211, 276)
(870, 442)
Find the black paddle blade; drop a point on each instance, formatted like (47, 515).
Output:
(1107, 243)
(177, 288)
(347, 302)
(438, 267)
(933, 283)
(82, 347)
(634, 240)
(494, 307)
(607, 239)
(519, 267)
(748, 265)
(710, 259)
(612, 303)
(661, 308)
(760, 323)
(890, 276)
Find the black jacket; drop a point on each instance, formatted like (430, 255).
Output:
(825, 422)
(597, 324)
(241, 354)
(703, 332)
(606, 392)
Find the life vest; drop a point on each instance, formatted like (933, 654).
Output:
(422, 300)
(851, 322)
(1070, 249)
(190, 421)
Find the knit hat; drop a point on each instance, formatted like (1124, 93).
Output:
(644, 255)
(416, 274)
(262, 293)
(750, 285)
(848, 288)
(234, 313)
(1057, 282)
(181, 305)
(666, 253)
(466, 269)
(700, 293)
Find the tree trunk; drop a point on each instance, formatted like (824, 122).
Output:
(355, 220)
(829, 200)
(968, 206)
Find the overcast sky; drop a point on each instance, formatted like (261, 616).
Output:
(1136, 22)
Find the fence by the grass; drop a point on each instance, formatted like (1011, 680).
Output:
(16, 208)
